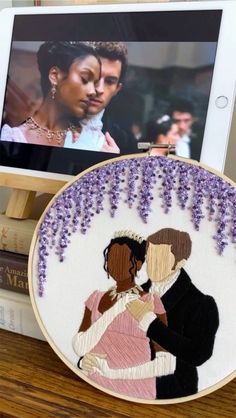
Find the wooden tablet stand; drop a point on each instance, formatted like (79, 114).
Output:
(24, 189)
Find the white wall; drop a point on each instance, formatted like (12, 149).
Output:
(5, 3)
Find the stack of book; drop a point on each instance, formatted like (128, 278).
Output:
(16, 312)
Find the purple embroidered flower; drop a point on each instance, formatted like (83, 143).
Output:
(136, 180)
(168, 182)
(222, 217)
(132, 177)
(200, 178)
(184, 183)
(149, 168)
(232, 197)
(117, 175)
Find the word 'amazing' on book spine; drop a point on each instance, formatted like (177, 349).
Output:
(14, 272)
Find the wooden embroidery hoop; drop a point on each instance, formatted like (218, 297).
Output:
(37, 307)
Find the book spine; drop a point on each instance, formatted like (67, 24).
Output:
(16, 235)
(16, 315)
(14, 272)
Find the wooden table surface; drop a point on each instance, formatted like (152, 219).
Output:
(35, 383)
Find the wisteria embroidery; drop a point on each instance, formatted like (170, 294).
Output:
(138, 182)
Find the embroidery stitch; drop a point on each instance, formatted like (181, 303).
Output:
(74, 209)
(109, 339)
(117, 295)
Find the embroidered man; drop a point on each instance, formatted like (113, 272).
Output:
(192, 316)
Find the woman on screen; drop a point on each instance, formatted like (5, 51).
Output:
(162, 131)
(69, 72)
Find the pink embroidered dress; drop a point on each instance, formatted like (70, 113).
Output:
(126, 345)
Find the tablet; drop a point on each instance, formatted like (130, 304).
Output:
(179, 54)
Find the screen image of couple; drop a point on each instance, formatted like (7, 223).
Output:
(108, 96)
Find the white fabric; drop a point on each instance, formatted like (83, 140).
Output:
(84, 341)
(12, 134)
(146, 320)
(91, 137)
(161, 287)
(163, 365)
(183, 147)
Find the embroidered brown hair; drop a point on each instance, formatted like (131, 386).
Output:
(180, 242)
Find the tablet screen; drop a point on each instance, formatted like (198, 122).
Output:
(162, 94)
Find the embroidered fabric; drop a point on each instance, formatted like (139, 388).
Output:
(147, 319)
(163, 365)
(133, 291)
(161, 287)
(83, 342)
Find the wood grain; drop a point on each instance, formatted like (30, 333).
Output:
(24, 189)
(20, 204)
(31, 183)
(35, 383)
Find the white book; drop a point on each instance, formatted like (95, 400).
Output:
(17, 315)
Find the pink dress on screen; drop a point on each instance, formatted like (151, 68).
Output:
(126, 345)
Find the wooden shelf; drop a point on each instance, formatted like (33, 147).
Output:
(24, 189)
(35, 383)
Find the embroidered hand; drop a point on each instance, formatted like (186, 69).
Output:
(109, 145)
(90, 362)
(121, 304)
(138, 308)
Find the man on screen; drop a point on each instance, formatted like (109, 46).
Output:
(190, 142)
(99, 132)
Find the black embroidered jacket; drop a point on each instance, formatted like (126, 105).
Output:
(192, 324)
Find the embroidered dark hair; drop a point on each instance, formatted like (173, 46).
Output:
(180, 242)
(138, 251)
(61, 54)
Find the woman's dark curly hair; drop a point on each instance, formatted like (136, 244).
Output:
(161, 126)
(138, 251)
(61, 54)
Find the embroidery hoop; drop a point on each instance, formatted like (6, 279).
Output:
(40, 310)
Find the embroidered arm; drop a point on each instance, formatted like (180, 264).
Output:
(163, 365)
(146, 320)
(84, 341)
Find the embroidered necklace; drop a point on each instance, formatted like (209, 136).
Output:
(133, 291)
(57, 136)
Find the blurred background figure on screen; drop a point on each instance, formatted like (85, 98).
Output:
(189, 130)
(136, 130)
(162, 131)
